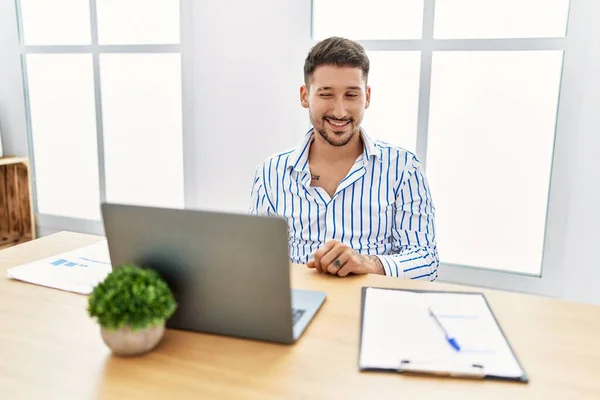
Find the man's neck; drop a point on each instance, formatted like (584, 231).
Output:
(323, 152)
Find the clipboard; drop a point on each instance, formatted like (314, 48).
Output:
(413, 365)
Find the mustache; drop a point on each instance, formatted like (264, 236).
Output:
(345, 119)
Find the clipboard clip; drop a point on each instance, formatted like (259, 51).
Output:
(473, 371)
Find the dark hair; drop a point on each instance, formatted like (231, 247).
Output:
(336, 51)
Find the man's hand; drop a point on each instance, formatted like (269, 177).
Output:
(336, 258)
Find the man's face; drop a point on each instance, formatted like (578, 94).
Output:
(336, 100)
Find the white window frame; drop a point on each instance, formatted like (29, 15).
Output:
(552, 272)
(51, 223)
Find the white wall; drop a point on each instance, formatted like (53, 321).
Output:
(248, 68)
(12, 106)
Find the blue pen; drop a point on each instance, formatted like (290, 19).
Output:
(450, 339)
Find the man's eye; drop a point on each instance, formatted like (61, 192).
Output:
(326, 95)
(352, 95)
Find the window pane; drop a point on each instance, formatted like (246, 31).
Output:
(477, 19)
(392, 114)
(63, 121)
(49, 23)
(141, 106)
(375, 19)
(490, 145)
(138, 21)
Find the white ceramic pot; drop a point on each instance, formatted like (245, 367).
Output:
(125, 342)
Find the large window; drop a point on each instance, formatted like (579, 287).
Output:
(473, 88)
(104, 98)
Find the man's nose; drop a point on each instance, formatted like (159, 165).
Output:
(339, 110)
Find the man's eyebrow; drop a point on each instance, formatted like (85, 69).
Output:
(324, 88)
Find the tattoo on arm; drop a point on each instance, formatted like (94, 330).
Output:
(315, 177)
(375, 261)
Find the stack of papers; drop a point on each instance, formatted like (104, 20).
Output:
(75, 271)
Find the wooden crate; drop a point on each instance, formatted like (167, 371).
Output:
(17, 223)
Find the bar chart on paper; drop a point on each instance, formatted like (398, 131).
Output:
(82, 262)
(76, 271)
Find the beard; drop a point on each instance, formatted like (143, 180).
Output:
(337, 138)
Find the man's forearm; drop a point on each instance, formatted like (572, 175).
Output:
(374, 264)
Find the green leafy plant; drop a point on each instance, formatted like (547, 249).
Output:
(131, 296)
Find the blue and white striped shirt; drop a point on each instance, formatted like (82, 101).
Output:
(382, 207)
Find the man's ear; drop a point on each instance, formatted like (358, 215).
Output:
(304, 96)
(368, 97)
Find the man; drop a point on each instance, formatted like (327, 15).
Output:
(354, 205)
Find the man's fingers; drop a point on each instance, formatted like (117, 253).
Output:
(312, 264)
(339, 261)
(335, 249)
(322, 252)
(349, 265)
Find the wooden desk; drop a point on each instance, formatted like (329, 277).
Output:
(50, 348)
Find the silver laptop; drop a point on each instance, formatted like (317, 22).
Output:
(229, 273)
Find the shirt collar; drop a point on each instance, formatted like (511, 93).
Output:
(370, 149)
(299, 157)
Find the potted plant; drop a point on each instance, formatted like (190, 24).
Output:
(131, 306)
